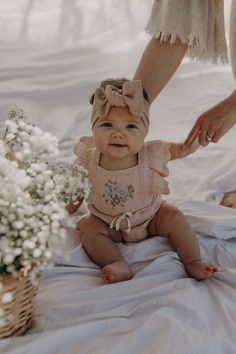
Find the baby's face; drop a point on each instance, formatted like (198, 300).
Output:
(120, 134)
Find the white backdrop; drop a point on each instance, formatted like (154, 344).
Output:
(53, 53)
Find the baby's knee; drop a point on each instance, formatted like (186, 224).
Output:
(167, 219)
(90, 227)
(175, 217)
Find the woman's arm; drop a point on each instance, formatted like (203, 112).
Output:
(159, 62)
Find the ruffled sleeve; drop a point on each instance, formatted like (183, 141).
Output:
(83, 150)
(158, 155)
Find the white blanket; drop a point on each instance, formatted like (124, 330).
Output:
(53, 53)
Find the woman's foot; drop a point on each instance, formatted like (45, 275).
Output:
(115, 272)
(198, 270)
(229, 200)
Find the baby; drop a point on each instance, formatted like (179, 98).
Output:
(127, 176)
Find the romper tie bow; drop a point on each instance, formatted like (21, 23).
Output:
(117, 220)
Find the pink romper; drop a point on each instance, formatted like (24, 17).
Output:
(126, 199)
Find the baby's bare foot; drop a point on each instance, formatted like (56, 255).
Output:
(198, 270)
(229, 199)
(115, 272)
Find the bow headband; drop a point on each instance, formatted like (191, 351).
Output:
(130, 95)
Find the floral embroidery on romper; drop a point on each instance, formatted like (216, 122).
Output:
(115, 195)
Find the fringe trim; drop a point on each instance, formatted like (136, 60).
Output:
(198, 24)
(195, 50)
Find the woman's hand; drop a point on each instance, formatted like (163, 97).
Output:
(213, 124)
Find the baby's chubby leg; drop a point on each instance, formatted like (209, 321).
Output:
(170, 222)
(99, 242)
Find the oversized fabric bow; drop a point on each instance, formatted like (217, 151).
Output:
(131, 96)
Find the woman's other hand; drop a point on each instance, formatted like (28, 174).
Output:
(212, 125)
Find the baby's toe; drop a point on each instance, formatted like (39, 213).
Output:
(210, 269)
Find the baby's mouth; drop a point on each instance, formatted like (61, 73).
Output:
(118, 145)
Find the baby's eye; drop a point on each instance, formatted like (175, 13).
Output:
(106, 124)
(131, 126)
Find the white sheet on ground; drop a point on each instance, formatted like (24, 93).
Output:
(53, 53)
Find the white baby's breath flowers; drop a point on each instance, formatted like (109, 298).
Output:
(33, 195)
(32, 140)
(6, 298)
(3, 149)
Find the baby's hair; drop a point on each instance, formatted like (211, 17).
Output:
(117, 83)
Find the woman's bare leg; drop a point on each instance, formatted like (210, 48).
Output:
(99, 242)
(170, 222)
(158, 63)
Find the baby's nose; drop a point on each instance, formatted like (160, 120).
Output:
(118, 134)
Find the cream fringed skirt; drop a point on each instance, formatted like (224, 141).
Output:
(198, 23)
(232, 36)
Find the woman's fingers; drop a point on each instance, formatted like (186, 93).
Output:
(218, 135)
(204, 138)
(222, 126)
(212, 125)
(211, 131)
(192, 135)
(202, 128)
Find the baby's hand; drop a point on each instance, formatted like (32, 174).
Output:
(72, 208)
(187, 150)
(179, 150)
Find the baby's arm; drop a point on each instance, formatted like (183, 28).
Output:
(180, 150)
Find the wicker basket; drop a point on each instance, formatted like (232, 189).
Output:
(17, 314)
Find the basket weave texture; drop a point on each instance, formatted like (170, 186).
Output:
(17, 314)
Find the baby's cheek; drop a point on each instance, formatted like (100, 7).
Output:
(102, 147)
(137, 147)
